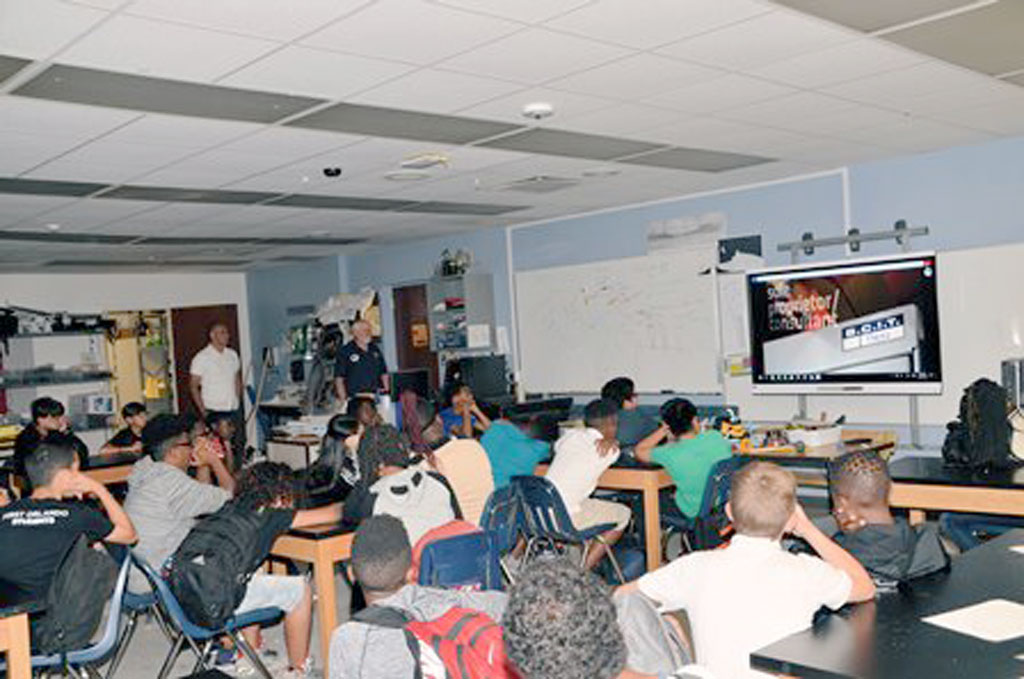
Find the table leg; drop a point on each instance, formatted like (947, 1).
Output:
(915, 517)
(19, 657)
(326, 606)
(652, 526)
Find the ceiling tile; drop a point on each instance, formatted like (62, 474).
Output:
(654, 22)
(156, 49)
(915, 135)
(987, 38)
(59, 120)
(414, 31)
(109, 162)
(388, 122)
(315, 73)
(539, 56)
(140, 93)
(571, 144)
(762, 40)
(182, 132)
(186, 195)
(459, 208)
(21, 20)
(510, 109)
(11, 65)
(214, 168)
(636, 77)
(730, 91)
(900, 89)
(1004, 119)
(22, 152)
(290, 144)
(340, 202)
(41, 187)
(623, 120)
(527, 11)
(849, 61)
(724, 135)
(435, 91)
(268, 19)
(15, 208)
(88, 213)
(786, 112)
(873, 15)
(697, 160)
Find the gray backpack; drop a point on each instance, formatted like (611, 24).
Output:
(652, 644)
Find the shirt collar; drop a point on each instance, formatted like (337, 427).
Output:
(748, 542)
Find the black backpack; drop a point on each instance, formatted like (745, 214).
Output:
(211, 568)
(980, 437)
(81, 587)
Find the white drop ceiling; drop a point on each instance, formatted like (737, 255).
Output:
(784, 88)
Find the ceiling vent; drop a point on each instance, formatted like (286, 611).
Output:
(541, 183)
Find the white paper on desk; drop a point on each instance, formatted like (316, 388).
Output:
(996, 620)
(1019, 549)
(478, 336)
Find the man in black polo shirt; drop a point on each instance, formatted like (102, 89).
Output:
(360, 367)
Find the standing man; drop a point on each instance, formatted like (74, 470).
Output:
(216, 383)
(360, 368)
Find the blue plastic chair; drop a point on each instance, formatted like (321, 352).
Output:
(86, 659)
(135, 606)
(201, 639)
(503, 519)
(462, 561)
(548, 521)
(716, 494)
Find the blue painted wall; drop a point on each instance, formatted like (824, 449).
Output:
(272, 291)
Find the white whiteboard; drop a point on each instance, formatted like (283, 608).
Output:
(651, 318)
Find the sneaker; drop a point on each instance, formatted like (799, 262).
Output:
(305, 672)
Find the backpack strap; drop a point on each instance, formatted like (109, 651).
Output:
(390, 617)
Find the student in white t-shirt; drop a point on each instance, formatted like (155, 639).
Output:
(753, 592)
(581, 456)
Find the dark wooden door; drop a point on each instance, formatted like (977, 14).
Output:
(190, 327)
(412, 331)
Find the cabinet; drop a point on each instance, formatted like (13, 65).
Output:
(461, 312)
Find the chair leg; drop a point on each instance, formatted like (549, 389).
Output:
(686, 541)
(172, 655)
(162, 622)
(253, 657)
(506, 572)
(586, 551)
(201, 660)
(615, 562)
(122, 644)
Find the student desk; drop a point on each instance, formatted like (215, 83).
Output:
(886, 639)
(649, 479)
(112, 467)
(14, 640)
(322, 546)
(811, 466)
(923, 483)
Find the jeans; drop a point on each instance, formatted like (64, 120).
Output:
(963, 529)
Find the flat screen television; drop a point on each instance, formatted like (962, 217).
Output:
(865, 325)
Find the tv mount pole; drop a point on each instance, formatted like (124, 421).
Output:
(807, 244)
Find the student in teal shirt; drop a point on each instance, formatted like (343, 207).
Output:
(512, 450)
(686, 453)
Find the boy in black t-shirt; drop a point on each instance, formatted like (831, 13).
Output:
(48, 424)
(129, 439)
(37, 531)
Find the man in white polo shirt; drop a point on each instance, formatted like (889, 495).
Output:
(216, 383)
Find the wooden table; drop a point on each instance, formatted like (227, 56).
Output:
(887, 639)
(926, 483)
(649, 479)
(14, 640)
(322, 546)
(294, 451)
(112, 467)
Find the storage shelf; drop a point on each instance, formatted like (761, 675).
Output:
(58, 333)
(8, 381)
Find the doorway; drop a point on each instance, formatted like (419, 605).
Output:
(190, 327)
(412, 331)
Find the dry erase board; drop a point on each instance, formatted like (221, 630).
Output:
(652, 318)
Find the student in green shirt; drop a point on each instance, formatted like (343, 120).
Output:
(686, 453)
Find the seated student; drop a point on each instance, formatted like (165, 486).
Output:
(889, 548)
(753, 592)
(633, 426)
(388, 484)
(462, 461)
(336, 468)
(163, 500)
(581, 456)
(47, 420)
(967, 531)
(463, 417)
(381, 560)
(514, 448)
(213, 436)
(129, 439)
(688, 455)
(364, 410)
(36, 532)
(561, 623)
(268, 489)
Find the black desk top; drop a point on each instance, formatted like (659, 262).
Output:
(322, 531)
(886, 639)
(932, 470)
(98, 461)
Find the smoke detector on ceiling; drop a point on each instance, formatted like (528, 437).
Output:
(538, 110)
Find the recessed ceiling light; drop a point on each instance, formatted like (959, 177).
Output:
(422, 161)
(406, 175)
(538, 110)
(53, 226)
